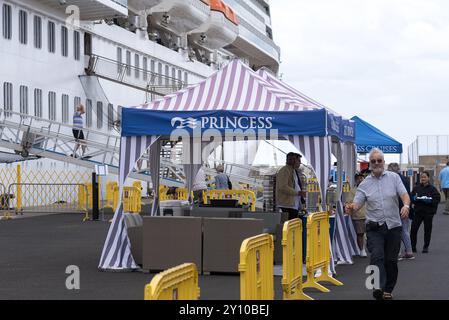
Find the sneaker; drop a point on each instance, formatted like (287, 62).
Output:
(363, 253)
(446, 212)
(387, 296)
(378, 294)
(425, 250)
(407, 256)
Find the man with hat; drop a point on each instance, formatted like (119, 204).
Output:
(289, 191)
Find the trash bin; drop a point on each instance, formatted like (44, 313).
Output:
(4, 200)
(176, 206)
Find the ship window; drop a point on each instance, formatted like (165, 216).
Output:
(7, 97)
(119, 60)
(186, 78)
(89, 113)
(167, 75)
(65, 108)
(37, 32)
(159, 71)
(173, 75)
(99, 114)
(180, 79)
(145, 68)
(76, 45)
(128, 63)
(51, 37)
(76, 103)
(137, 65)
(23, 31)
(23, 99)
(52, 105)
(6, 21)
(110, 116)
(38, 103)
(64, 42)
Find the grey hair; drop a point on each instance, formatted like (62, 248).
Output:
(220, 168)
(376, 150)
(394, 167)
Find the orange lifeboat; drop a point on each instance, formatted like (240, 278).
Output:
(220, 29)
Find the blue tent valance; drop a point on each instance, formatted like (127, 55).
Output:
(369, 137)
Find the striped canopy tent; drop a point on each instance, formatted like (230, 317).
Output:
(234, 101)
(344, 243)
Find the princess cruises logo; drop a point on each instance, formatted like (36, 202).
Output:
(189, 122)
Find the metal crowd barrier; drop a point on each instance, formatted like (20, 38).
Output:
(256, 268)
(112, 190)
(318, 251)
(180, 194)
(178, 283)
(243, 196)
(292, 261)
(48, 197)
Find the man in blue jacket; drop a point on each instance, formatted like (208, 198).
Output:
(444, 186)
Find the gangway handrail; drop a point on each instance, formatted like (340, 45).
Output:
(87, 130)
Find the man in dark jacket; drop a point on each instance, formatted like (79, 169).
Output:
(425, 198)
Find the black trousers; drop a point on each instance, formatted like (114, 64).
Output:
(416, 223)
(292, 213)
(384, 246)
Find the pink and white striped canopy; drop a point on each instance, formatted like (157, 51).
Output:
(234, 87)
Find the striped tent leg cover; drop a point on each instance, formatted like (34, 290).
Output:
(116, 254)
(349, 166)
(192, 163)
(317, 150)
(155, 166)
(343, 250)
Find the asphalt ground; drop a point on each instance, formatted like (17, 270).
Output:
(35, 252)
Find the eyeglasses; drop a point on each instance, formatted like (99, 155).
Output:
(373, 161)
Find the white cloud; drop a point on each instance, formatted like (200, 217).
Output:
(384, 60)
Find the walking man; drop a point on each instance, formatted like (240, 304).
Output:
(380, 191)
(444, 186)
(289, 189)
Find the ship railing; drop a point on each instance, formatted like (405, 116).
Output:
(50, 135)
(155, 83)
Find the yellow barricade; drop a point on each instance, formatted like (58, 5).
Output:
(112, 190)
(178, 283)
(256, 268)
(181, 194)
(90, 196)
(346, 187)
(318, 251)
(131, 199)
(243, 196)
(137, 196)
(312, 185)
(292, 258)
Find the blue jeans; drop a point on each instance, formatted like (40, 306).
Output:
(405, 236)
(384, 246)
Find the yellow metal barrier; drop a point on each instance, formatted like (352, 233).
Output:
(318, 251)
(90, 196)
(256, 268)
(137, 196)
(243, 196)
(112, 190)
(178, 283)
(346, 187)
(132, 199)
(180, 194)
(312, 185)
(292, 261)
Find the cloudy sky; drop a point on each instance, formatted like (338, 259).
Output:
(386, 61)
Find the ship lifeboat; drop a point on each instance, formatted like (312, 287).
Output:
(180, 16)
(220, 29)
(144, 4)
